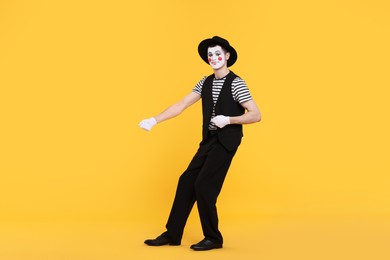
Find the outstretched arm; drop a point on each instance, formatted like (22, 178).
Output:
(178, 108)
(172, 111)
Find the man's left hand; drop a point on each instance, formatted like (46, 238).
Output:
(221, 121)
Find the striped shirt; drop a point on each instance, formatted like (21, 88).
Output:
(240, 92)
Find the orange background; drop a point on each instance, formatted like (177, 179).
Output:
(76, 77)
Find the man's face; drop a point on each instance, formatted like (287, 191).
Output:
(216, 56)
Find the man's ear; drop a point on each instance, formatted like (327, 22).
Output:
(227, 55)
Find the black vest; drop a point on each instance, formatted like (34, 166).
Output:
(230, 135)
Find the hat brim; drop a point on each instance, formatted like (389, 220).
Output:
(203, 46)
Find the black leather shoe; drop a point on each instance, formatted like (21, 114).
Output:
(206, 244)
(161, 241)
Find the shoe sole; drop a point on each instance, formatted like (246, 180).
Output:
(205, 249)
(170, 244)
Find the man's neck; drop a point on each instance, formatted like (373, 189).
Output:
(220, 73)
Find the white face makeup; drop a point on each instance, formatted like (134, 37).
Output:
(216, 57)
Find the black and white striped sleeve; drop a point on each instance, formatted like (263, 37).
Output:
(240, 91)
(198, 87)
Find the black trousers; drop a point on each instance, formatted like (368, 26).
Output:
(201, 182)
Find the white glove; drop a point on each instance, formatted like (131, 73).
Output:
(147, 124)
(221, 121)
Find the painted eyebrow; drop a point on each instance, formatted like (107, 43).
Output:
(217, 51)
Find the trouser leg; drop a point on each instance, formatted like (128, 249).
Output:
(208, 186)
(185, 195)
(202, 182)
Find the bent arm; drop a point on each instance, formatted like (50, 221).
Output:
(252, 115)
(178, 108)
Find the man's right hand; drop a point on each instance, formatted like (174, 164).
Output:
(147, 124)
